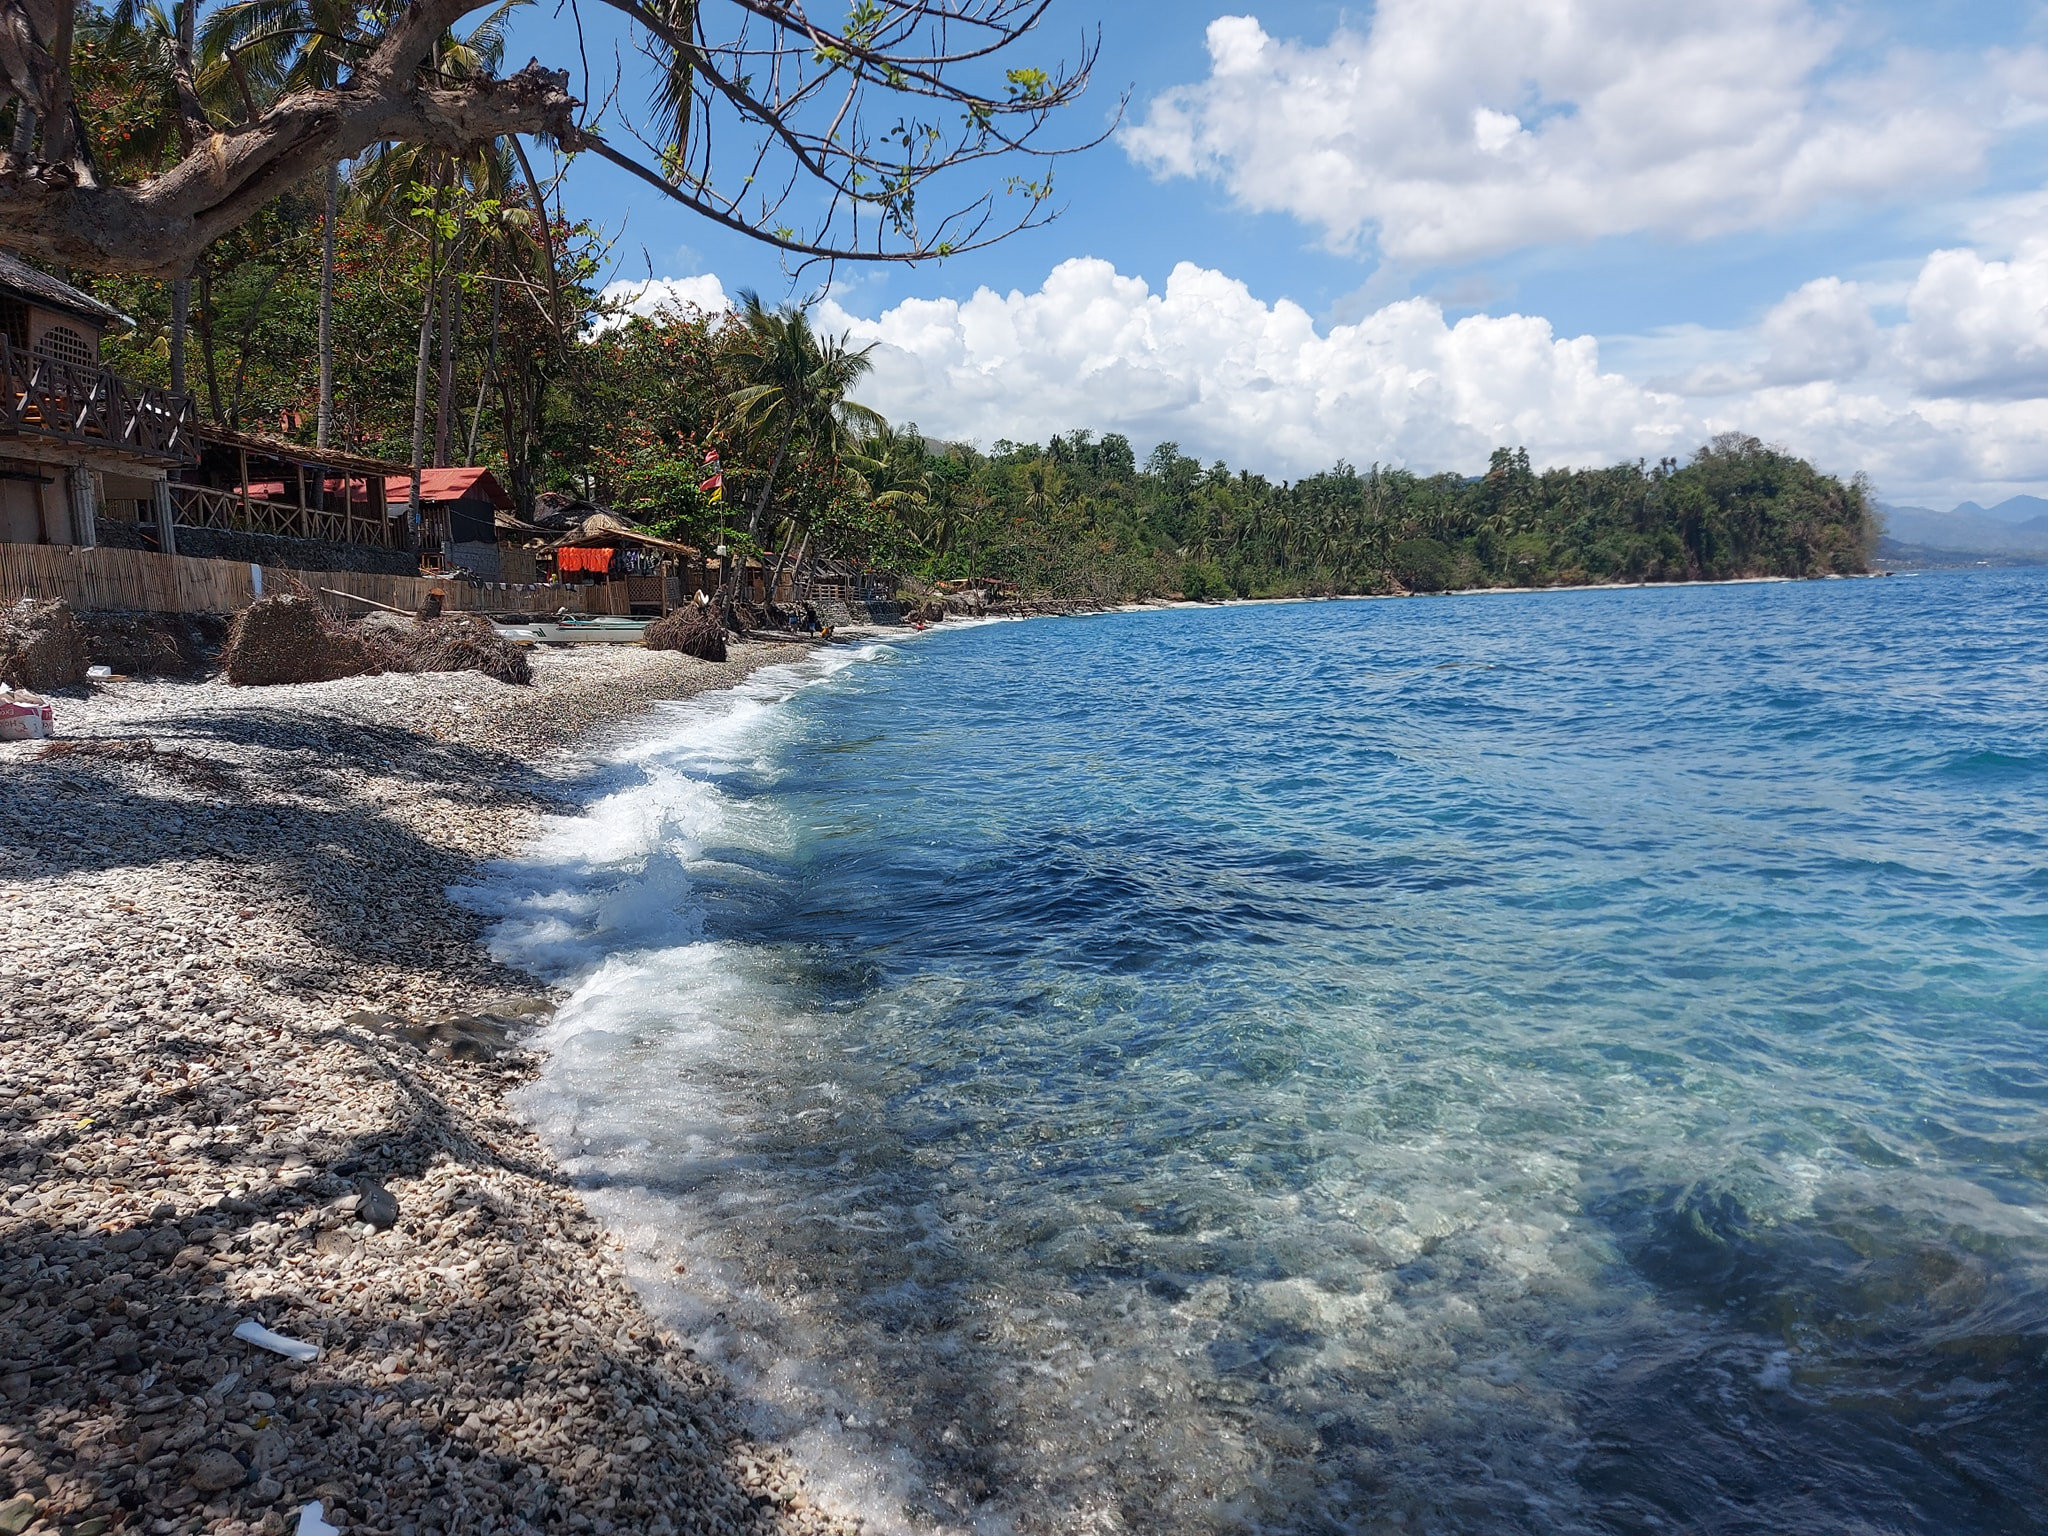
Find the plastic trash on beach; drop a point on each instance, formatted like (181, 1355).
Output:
(26, 717)
(313, 1521)
(99, 672)
(249, 1331)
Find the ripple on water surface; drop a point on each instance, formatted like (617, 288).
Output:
(1568, 1062)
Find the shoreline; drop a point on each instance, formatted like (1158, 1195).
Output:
(1143, 604)
(235, 989)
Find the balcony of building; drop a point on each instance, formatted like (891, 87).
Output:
(249, 482)
(75, 402)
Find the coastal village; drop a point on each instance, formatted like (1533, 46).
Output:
(250, 1082)
(117, 498)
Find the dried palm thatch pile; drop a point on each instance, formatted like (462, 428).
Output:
(695, 631)
(41, 646)
(153, 644)
(462, 642)
(292, 639)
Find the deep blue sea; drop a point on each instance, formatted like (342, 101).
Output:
(1558, 1062)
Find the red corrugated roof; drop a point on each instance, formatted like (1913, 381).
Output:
(464, 482)
(358, 491)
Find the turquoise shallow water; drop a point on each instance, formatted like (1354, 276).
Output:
(1558, 1062)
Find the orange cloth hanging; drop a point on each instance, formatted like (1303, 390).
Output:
(596, 561)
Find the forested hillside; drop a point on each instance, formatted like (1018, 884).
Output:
(465, 324)
(452, 298)
(1080, 513)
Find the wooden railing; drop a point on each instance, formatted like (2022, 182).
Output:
(351, 522)
(83, 404)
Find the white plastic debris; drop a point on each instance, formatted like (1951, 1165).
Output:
(99, 671)
(249, 1331)
(313, 1521)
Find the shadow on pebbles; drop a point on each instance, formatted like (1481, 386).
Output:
(252, 1068)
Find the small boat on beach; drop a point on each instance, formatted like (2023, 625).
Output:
(574, 629)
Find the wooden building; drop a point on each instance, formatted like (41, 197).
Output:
(76, 442)
(461, 510)
(652, 574)
(252, 482)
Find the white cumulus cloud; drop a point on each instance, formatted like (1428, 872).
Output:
(1209, 365)
(647, 295)
(1937, 386)
(1980, 328)
(1450, 130)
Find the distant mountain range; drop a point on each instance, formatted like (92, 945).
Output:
(2018, 526)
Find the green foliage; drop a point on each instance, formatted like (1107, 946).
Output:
(559, 393)
(1423, 565)
(1203, 581)
(1078, 516)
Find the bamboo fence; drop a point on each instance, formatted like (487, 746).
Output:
(138, 581)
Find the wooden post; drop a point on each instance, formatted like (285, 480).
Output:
(299, 474)
(166, 515)
(84, 507)
(242, 458)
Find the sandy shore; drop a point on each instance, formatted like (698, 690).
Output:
(235, 1011)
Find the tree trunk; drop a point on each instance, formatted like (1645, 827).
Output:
(775, 576)
(206, 357)
(767, 490)
(445, 409)
(324, 422)
(796, 580)
(425, 358)
(419, 394)
(483, 378)
(181, 317)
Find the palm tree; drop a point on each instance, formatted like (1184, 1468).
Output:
(1044, 486)
(391, 182)
(160, 44)
(795, 381)
(293, 45)
(892, 472)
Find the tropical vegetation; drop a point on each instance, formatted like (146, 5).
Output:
(429, 305)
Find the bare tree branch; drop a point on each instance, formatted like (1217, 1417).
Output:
(841, 135)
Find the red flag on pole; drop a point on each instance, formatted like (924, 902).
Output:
(713, 484)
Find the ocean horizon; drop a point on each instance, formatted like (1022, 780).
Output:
(1569, 1062)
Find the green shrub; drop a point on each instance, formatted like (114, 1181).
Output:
(1203, 581)
(1422, 565)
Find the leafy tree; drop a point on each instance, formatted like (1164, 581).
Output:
(1423, 565)
(826, 142)
(1203, 581)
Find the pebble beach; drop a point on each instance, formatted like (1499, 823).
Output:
(253, 1067)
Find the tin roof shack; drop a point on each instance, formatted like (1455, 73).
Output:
(252, 482)
(642, 572)
(76, 442)
(459, 510)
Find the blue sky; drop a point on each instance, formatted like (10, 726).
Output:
(1406, 232)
